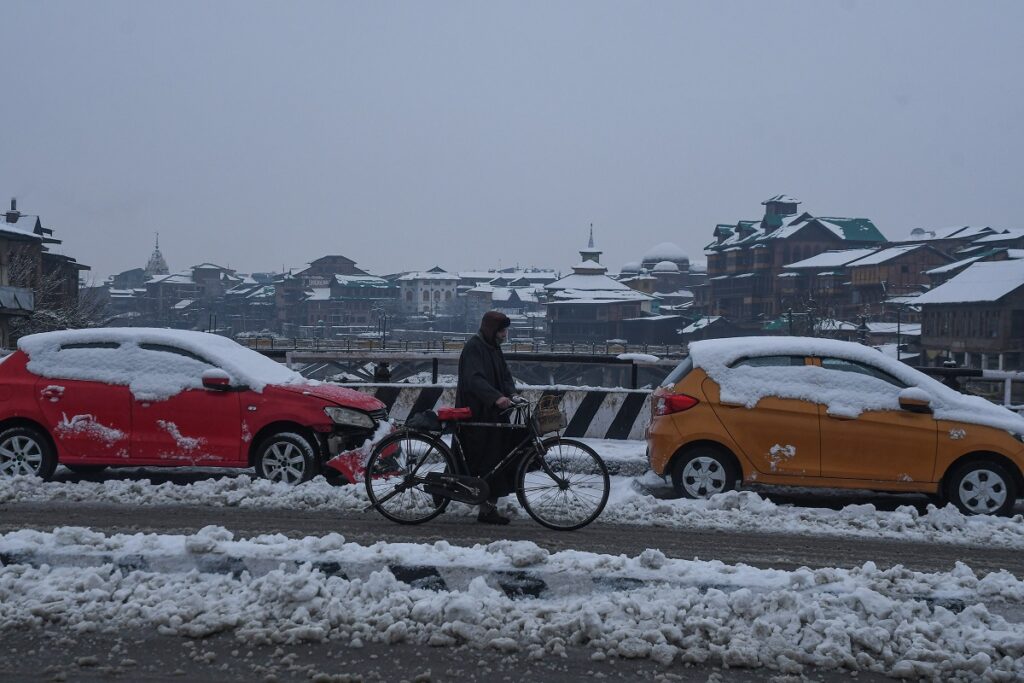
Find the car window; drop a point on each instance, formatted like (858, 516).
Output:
(680, 371)
(843, 365)
(769, 362)
(89, 345)
(164, 348)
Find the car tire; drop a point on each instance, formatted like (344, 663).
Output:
(86, 469)
(26, 451)
(288, 458)
(982, 487)
(702, 472)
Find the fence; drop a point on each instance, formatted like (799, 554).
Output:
(455, 343)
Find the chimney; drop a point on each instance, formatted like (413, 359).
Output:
(13, 215)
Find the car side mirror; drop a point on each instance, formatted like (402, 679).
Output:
(216, 380)
(915, 400)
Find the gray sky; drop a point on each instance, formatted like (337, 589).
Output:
(473, 134)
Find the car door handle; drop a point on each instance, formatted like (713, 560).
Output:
(844, 418)
(51, 393)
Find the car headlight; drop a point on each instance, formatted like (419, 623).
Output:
(348, 417)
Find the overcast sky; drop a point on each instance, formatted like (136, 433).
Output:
(475, 134)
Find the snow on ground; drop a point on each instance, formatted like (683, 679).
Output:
(906, 624)
(630, 502)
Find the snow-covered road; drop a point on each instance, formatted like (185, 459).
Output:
(272, 589)
(636, 499)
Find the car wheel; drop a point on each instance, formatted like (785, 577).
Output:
(982, 487)
(703, 472)
(86, 469)
(288, 458)
(26, 451)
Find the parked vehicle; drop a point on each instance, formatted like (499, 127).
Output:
(91, 399)
(822, 413)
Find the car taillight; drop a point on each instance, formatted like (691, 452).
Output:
(673, 403)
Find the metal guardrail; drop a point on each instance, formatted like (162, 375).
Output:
(455, 344)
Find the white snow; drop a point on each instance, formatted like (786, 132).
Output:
(980, 282)
(87, 425)
(638, 357)
(150, 374)
(852, 395)
(893, 621)
(185, 444)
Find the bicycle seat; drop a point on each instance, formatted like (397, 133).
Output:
(454, 414)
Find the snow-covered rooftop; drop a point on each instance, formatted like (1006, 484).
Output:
(952, 232)
(831, 259)
(584, 281)
(666, 251)
(983, 281)
(884, 255)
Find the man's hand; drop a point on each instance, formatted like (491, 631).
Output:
(503, 403)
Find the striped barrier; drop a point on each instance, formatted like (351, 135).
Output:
(591, 413)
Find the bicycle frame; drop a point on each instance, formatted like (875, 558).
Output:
(518, 451)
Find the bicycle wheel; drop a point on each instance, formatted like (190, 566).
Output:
(393, 475)
(564, 488)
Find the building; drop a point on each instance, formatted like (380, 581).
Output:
(977, 317)
(590, 306)
(746, 259)
(38, 287)
(429, 292)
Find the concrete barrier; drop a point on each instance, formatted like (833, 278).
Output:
(591, 413)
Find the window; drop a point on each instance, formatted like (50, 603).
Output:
(408, 296)
(681, 370)
(769, 362)
(164, 348)
(89, 345)
(843, 365)
(426, 296)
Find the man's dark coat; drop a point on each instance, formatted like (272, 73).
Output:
(484, 377)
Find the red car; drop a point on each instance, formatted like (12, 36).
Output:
(89, 399)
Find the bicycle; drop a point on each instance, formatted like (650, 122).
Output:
(562, 483)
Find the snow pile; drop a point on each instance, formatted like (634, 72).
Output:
(854, 394)
(150, 373)
(893, 621)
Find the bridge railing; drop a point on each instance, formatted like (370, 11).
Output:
(455, 343)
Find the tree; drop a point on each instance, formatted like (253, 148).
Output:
(58, 303)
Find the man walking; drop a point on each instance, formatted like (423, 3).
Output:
(486, 387)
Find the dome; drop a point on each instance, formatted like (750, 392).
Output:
(631, 267)
(665, 267)
(666, 251)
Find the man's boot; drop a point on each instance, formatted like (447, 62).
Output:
(489, 514)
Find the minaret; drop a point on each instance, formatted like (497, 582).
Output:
(157, 265)
(590, 253)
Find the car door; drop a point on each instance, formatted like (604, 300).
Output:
(779, 435)
(89, 420)
(193, 426)
(877, 445)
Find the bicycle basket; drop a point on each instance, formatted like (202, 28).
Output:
(550, 417)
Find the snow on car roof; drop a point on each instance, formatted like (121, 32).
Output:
(856, 394)
(244, 365)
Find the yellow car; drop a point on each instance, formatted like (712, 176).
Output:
(797, 411)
